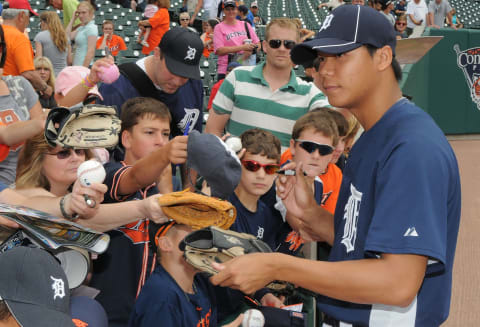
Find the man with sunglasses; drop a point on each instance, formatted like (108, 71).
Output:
(268, 95)
(396, 222)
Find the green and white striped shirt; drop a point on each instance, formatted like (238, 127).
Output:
(246, 96)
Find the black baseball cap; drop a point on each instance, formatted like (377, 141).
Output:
(229, 3)
(34, 288)
(344, 29)
(182, 50)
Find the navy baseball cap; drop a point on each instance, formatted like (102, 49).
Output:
(344, 29)
(210, 157)
(182, 50)
(35, 288)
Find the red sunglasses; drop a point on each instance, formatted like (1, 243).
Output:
(252, 165)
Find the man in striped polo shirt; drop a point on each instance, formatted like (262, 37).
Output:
(269, 95)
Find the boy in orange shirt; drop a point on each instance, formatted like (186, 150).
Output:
(109, 40)
(332, 175)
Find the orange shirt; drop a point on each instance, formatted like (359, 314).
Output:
(209, 48)
(19, 52)
(160, 23)
(115, 44)
(332, 180)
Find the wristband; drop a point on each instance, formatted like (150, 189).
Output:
(88, 83)
(64, 212)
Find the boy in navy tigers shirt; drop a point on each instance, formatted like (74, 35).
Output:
(128, 261)
(176, 294)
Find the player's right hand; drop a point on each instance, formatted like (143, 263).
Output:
(177, 149)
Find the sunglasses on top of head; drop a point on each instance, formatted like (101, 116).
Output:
(310, 147)
(288, 44)
(66, 153)
(252, 165)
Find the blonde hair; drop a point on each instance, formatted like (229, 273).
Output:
(30, 163)
(88, 5)
(283, 23)
(44, 62)
(55, 27)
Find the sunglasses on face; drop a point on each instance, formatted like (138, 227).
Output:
(66, 153)
(275, 44)
(252, 165)
(401, 24)
(310, 147)
(184, 19)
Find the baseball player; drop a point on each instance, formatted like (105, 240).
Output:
(396, 222)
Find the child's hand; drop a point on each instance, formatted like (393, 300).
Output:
(270, 300)
(177, 149)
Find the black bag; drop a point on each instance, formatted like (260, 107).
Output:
(276, 317)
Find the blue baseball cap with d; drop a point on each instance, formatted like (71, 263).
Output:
(346, 28)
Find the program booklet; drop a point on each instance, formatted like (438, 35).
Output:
(52, 232)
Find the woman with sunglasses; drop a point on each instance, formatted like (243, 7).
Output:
(401, 27)
(47, 181)
(229, 38)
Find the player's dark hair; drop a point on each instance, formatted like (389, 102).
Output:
(259, 141)
(321, 121)
(4, 312)
(397, 70)
(140, 107)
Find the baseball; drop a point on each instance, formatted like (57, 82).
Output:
(234, 143)
(253, 318)
(91, 171)
(109, 74)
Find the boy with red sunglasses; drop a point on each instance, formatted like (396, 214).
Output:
(260, 163)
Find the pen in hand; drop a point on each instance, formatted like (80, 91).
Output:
(185, 133)
(289, 172)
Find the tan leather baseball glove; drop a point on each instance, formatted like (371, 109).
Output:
(197, 210)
